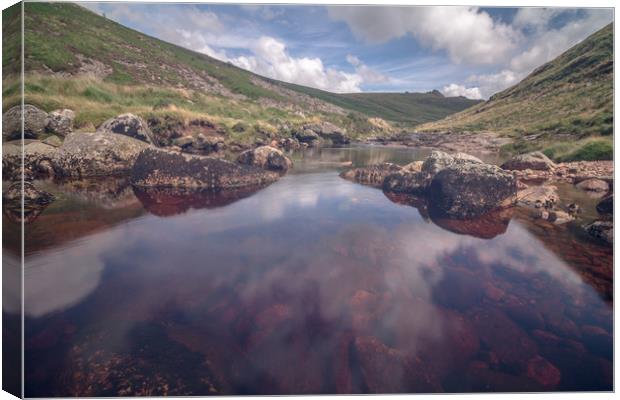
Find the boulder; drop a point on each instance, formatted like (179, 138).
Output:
(415, 166)
(468, 190)
(603, 230)
(414, 183)
(60, 122)
(266, 157)
(37, 159)
(307, 136)
(289, 144)
(164, 168)
(535, 161)
(373, 175)
(593, 185)
(96, 154)
(606, 206)
(439, 160)
(35, 121)
(128, 125)
(183, 142)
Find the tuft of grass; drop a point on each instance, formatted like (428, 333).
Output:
(591, 151)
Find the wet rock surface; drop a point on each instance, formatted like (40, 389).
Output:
(163, 168)
(85, 155)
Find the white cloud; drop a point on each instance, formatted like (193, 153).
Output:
(467, 34)
(271, 58)
(454, 90)
(367, 74)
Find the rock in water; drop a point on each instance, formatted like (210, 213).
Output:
(163, 168)
(266, 157)
(535, 161)
(603, 230)
(35, 121)
(593, 185)
(96, 154)
(373, 175)
(469, 190)
(414, 183)
(60, 122)
(37, 159)
(606, 206)
(545, 196)
(307, 136)
(439, 160)
(128, 125)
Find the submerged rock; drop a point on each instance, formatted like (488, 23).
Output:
(128, 125)
(545, 196)
(593, 185)
(35, 121)
(163, 168)
(468, 190)
(96, 154)
(266, 157)
(535, 161)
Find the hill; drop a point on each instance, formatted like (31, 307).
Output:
(78, 59)
(560, 107)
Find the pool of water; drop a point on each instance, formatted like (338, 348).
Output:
(311, 285)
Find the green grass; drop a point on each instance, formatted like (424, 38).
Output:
(590, 151)
(563, 103)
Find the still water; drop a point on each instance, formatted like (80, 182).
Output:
(311, 285)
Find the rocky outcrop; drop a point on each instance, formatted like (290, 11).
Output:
(593, 185)
(96, 154)
(307, 136)
(34, 201)
(468, 190)
(266, 157)
(37, 159)
(35, 121)
(164, 168)
(60, 122)
(534, 161)
(329, 131)
(128, 125)
(373, 175)
(603, 230)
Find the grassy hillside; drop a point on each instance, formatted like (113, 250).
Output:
(77, 59)
(560, 107)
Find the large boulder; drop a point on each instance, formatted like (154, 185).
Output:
(468, 190)
(128, 125)
(265, 157)
(37, 157)
(96, 154)
(439, 160)
(535, 161)
(35, 121)
(163, 168)
(60, 122)
(373, 175)
(593, 185)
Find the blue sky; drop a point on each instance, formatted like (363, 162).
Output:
(458, 50)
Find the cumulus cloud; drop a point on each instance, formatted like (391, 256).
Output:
(454, 90)
(467, 34)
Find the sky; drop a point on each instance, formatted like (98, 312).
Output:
(460, 51)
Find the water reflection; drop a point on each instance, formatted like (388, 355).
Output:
(311, 285)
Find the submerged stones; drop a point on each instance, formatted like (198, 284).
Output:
(373, 175)
(163, 168)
